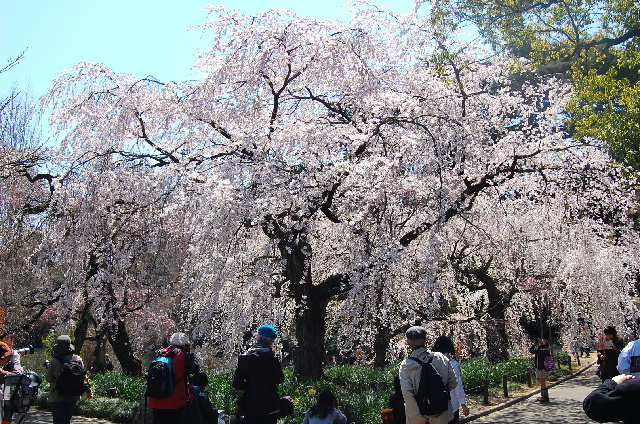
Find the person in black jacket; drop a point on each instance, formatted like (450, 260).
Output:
(396, 402)
(258, 374)
(614, 400)
(608, 357)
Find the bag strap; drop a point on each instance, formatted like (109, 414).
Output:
(429, 356)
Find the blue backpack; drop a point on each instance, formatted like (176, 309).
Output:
(161, 377)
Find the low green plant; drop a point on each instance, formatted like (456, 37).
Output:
(128, 388)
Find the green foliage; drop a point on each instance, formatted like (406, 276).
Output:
(594, 42)
(128, 388)
(116, 410)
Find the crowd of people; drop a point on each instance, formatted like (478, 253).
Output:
(259, 373)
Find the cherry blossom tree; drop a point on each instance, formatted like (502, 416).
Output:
(312, 170)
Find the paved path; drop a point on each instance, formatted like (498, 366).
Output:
(37, 416)
(565, 406)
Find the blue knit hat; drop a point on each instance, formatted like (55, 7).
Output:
(267, 331)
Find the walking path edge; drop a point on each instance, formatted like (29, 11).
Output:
(522, 397)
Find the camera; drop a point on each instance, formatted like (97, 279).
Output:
(20, 392)
(25, 351)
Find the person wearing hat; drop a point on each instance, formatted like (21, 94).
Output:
(169, 410)
(411, 371)
(62, 406)
(258, 374)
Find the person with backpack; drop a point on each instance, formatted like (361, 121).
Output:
(167, 380)
(258, 374)
(200, 410)
(67, 378)
(426, 379)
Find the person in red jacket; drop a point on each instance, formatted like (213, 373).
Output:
(170, 410)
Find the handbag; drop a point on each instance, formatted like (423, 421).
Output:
(387, 416)
(549, 365)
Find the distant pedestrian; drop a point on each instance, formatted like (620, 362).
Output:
(108, 365)
(258, 375)
(445, 346)
(541, 351)
(65, 390)
(410, 375)
(324, 410)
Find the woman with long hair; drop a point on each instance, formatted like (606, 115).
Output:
(445, 346)
(324, 410)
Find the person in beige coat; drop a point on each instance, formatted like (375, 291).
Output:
(411, 370)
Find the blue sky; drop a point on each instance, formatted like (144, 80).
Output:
(141, 37)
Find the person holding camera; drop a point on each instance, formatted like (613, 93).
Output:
(9, 361)
(10, 364)
(170, 409)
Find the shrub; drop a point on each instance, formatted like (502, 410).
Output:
(128, 388)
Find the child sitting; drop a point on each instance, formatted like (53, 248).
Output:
(208, 414)
(324, 411)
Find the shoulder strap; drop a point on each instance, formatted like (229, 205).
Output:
(429, 356)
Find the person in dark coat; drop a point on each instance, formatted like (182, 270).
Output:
(614, 400)
(258, 374)
(396, 402)
(608, 357)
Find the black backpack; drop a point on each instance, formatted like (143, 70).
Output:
(71, 380)
(432, 396)
(161, 377)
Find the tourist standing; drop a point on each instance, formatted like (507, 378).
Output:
(629, 359)
(410, 374)
(608, 356)
(258, 375)
(170, 409)
(445, 346)
(541, 351)
(64, 393)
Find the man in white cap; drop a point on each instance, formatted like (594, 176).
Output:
(63, 395)
(410, 375)
(259, 372)
(169, 410)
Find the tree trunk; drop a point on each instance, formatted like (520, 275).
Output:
(497, 341)
(119, 340)
(380, 346)
(310, 333)
(99, 352)
(82, 328)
